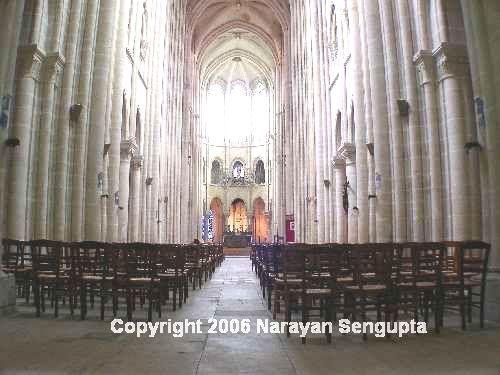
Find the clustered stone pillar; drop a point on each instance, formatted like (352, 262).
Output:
(480, 18)
(64, 123)
(451, 65)
(381, 135)
(51, 76)
(118, 122)
(29, 66)
(80, 128)
(97, 121)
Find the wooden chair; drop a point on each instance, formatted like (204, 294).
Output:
(140, 263)
(372, 288)
(420, 282)
(95, 274)
(469, 281)
(53, 274)
(17, 261)
(171, 275)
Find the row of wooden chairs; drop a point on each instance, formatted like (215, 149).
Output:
(356, 280)
(79, 272)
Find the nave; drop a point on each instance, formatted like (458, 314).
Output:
(71, 345)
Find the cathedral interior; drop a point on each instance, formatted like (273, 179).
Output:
(290, 160)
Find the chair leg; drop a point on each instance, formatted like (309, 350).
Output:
(469, 305)
(305, 316)
(181, 292)
(269, 293)
(481, 310)
(363, 315)
(36, 291)
(71, 301)
(102, 303)
(115, 301)
(437, 314)
(56, 302)
(328, 318)
(174, 295)
(42, 297)
(150, 304)
(83, 302)
(129, 304)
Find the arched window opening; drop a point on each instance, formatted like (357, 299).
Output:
(238, 221)
(238, 170)
(260, 113)
(215, 106)
(218, 212)
(216, 173)
(239, 113)
(260, 173)
(260, 221)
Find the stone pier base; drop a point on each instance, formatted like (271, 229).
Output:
(7, 293)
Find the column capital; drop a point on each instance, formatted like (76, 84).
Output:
(424, 63)
(128, 149)
(348, 153)
(451, 60)
(30, 61)
(53, 66)
(137, 162)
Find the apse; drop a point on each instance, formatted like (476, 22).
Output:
(236, 81)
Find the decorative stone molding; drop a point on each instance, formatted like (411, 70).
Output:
(53, 67)
(128, 148)
(348, 152)
(137, 162)
(338, 162)
(30, 61)
(424, 62)
(451, 60)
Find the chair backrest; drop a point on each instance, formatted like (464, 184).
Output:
(93, 258)
(140, 259)
(473, 260)
(16, 255)
(373, 263)
(51, 256)
(171, 258)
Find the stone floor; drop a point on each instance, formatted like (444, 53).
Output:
(66, 345)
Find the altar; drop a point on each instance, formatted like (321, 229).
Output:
(237, 240)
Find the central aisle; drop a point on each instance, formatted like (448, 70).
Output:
(233, 293)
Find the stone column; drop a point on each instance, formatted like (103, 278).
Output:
(119, 84)
(397, 142)
(339, 165)
(426, 73)
(414, 124)
(29, 65)
(97, 121)
(451, 66)
(81, 124)
(10, 29)
(363, 119)
(348, 153)
(381, 135)
(480, 18)
(61, 150)
(52, 69)
(137, 163)
(128, 149)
